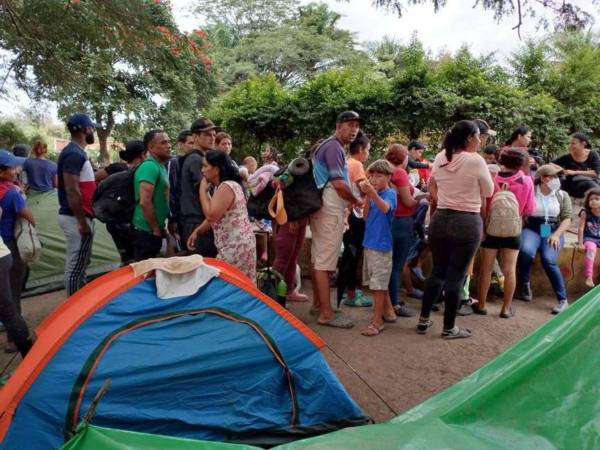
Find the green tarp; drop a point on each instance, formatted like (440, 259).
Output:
(542, 393)
(47, 274)
(98, 438)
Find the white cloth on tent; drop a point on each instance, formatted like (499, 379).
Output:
(178, 276)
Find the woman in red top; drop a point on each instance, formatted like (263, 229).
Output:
(403, 224)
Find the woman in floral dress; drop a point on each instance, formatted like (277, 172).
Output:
(225, 211)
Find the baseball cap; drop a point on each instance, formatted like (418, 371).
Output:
(348, 116)
(484, 128)
(7, 159)
(418, 145)
(80, 121)
(203, 124)
(133, 149)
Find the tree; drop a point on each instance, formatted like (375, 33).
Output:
(567, 14)
(11, 134)
(294, 44)
(115, 60)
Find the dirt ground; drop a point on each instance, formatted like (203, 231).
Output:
(404, 368)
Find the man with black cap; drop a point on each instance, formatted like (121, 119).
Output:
(330, 171)
(76, 186)
(190, 210)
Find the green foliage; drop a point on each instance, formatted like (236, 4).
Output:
(115, 60)
(11, 134)
(551, 86)
(293, 42)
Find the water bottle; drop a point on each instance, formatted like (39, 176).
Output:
(281, 291)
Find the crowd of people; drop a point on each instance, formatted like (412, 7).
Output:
(503, 201)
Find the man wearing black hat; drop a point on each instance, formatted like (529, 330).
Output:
(76, 186)
(190, 210)
(330, 171)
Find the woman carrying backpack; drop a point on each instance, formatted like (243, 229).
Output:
(514, 198)
(544, 231)
(459, 180)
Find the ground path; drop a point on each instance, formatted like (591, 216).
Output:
(403, 367)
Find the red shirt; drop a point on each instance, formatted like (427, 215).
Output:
(400, 179)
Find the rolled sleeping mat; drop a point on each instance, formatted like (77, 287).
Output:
(299, 166)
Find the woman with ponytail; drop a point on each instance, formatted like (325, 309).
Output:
(459, 181)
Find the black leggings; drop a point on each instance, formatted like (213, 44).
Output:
(454, 237)
(15, 325)
(353, 239)
(578, 188)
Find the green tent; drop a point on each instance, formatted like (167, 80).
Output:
(47, 273)
(542, 393)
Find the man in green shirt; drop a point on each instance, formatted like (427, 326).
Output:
(151, 185)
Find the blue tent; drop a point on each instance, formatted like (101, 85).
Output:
(223, 364)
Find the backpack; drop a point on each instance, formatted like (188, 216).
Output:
(28, 243)
(114, 198)
(503, 219)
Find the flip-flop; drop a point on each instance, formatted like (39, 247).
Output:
(371, 330)
(337, 321)
(392, 319)
(315, 311)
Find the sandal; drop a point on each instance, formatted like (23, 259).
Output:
(391, 319)
(424, 325)
(509, 314)
(359, 299)
(372, 330)
(337, 321)
(478, 310)
(456, 333)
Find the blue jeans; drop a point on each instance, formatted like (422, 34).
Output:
(531, 242)
(403, 236)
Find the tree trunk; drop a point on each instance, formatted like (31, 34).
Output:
(103, 135)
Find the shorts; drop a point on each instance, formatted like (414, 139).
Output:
(327, 234)
(377, 269)
(495, 242)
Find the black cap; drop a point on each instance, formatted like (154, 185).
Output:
(417, 145)
(490, 149)
(133, 149)
(21, 150)
(348, 116)
(203, 124)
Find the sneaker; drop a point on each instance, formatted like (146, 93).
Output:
(466, 308)
(404, 311)
(423, 326)
(562, 305)
(416, 293)
(359, 299)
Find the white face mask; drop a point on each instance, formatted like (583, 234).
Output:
(553, 184)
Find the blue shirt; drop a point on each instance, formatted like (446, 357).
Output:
(329, 162)
(11, 204)
(40, 174)
(378, 227)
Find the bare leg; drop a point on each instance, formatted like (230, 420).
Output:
(321, 280)
(487, 256)
(508, 260)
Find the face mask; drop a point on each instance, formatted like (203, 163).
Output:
(554, 184)
(89, 138)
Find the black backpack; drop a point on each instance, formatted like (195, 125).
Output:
(114, 199)
(302, 197)
(258, 205)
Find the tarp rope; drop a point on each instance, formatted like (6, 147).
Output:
(371, 388)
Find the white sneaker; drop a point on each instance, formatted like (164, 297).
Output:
(562, 305)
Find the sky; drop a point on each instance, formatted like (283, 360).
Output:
(456, 24)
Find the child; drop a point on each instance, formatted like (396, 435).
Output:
(589, 232)
(490, 153)
(377, 262)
